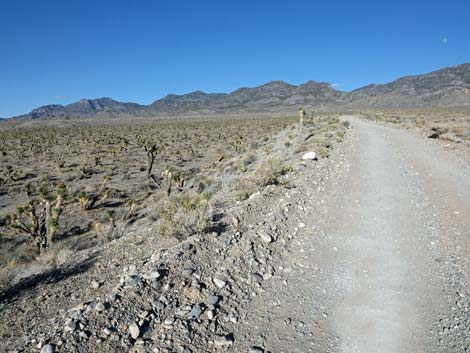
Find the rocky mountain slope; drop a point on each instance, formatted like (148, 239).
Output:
(446, 87)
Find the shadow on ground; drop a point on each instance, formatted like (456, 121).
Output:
(50, 276)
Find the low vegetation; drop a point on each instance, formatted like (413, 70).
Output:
(88, 181)
(448, 124)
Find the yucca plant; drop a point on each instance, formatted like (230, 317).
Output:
(39, 218)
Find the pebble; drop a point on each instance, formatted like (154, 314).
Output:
(188, 271)
(195, 312)
(78, 307)
(309, 156)
(210, 314)
(153, 275)
(134, 330)
(70, 326)
(48, 348)
(256, 277)
(84, 334)
(256, 350)
(95, 284)
(219, 283)
(214, 300)
(186, 246)
(100, 307)
(169, 321)
(266, 237)
(224, 341)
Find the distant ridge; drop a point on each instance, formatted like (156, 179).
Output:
(445, 87)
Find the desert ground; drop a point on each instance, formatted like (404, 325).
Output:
(214, 234)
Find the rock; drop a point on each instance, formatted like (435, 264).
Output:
(256, 350)
(70, 326)
(266, 237)
(107, 331)
(214, 300)
(188, 271)
(131, 281)
(186, 246)
(219, 283)
(134, 330)
(309, 156)
(144, 314)
(255, 195)
(183, 311)
(100, 307)
(195, 312)
(256, 277)
(158, 305)
(224, 341)
(301, 225)
(153, 275)
(156, 284)
(210, 314)
(78, 307)
(169, 321)
(84, 334)
(95, 284)
(48, 348)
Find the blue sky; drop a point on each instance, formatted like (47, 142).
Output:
(57, 52)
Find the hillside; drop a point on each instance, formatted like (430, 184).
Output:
(446, 87)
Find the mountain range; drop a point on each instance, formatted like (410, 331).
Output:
(445, 87)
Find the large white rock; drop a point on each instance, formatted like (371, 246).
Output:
(309, 156)
(134, 330)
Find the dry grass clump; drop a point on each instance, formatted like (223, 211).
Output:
(321, 133)
(268, 173)
(182, 215)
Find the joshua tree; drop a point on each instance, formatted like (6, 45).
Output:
(167, 177)
(151, 150)
(301, 122)
(40, 218)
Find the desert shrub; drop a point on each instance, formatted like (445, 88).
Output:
(322, 152)
(270, 170)
(339, 136)
(268, 173)
(268, 149)
(304, 146)
(241, 167)
(249, 159)
(89, 201)
(182, 215)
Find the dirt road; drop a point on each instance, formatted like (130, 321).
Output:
(385, 270)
